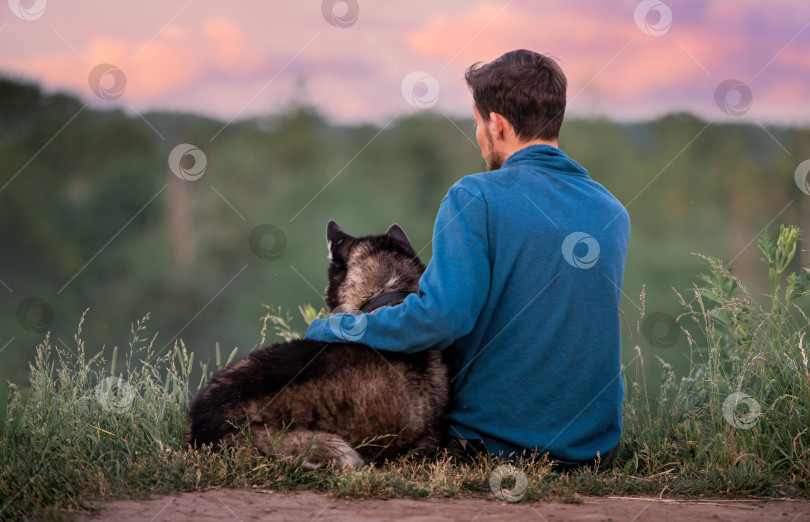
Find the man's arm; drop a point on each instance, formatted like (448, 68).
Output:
(452, 291)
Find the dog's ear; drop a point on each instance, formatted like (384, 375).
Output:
(397, 233)
(336, 237)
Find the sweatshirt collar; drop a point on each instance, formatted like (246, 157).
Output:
(546, 155)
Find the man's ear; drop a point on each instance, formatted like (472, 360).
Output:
(397, 233)
(497, 125)
(336, 237)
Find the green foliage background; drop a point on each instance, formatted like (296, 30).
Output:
(689, 185)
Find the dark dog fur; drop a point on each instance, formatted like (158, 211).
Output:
(331, 397)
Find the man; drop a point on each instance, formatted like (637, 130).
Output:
(525, 279)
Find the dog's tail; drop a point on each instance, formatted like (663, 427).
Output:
(207, 421)
(260, 373)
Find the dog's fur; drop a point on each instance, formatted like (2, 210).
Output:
(320, 401)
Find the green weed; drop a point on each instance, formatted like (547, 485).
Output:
(736, 425)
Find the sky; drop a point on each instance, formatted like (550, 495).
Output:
(364, 61)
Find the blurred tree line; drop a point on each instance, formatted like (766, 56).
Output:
(92, 217)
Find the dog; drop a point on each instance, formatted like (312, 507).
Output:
(333, 402)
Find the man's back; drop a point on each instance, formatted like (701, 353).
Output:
(541, 367)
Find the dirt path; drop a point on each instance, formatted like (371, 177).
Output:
(225, 504)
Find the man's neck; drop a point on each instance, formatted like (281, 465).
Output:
(520, 145)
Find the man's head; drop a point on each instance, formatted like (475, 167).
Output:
(518, 100)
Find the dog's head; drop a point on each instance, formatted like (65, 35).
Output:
(361, 268)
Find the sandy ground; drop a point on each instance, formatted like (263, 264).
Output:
(226, 505)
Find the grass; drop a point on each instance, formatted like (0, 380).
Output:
(736, 425)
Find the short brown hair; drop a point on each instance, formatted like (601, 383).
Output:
(526, 88)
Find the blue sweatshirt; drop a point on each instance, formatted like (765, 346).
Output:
(525, 279)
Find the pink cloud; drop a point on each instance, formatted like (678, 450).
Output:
(176, 60)
(215, 59)
(610, 61)
(230, 53)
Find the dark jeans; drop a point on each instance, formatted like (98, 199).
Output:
(465, 450)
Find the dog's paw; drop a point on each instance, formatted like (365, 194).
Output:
(352, 459)
(331, 448)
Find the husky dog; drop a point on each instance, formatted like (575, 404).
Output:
(320, 402)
